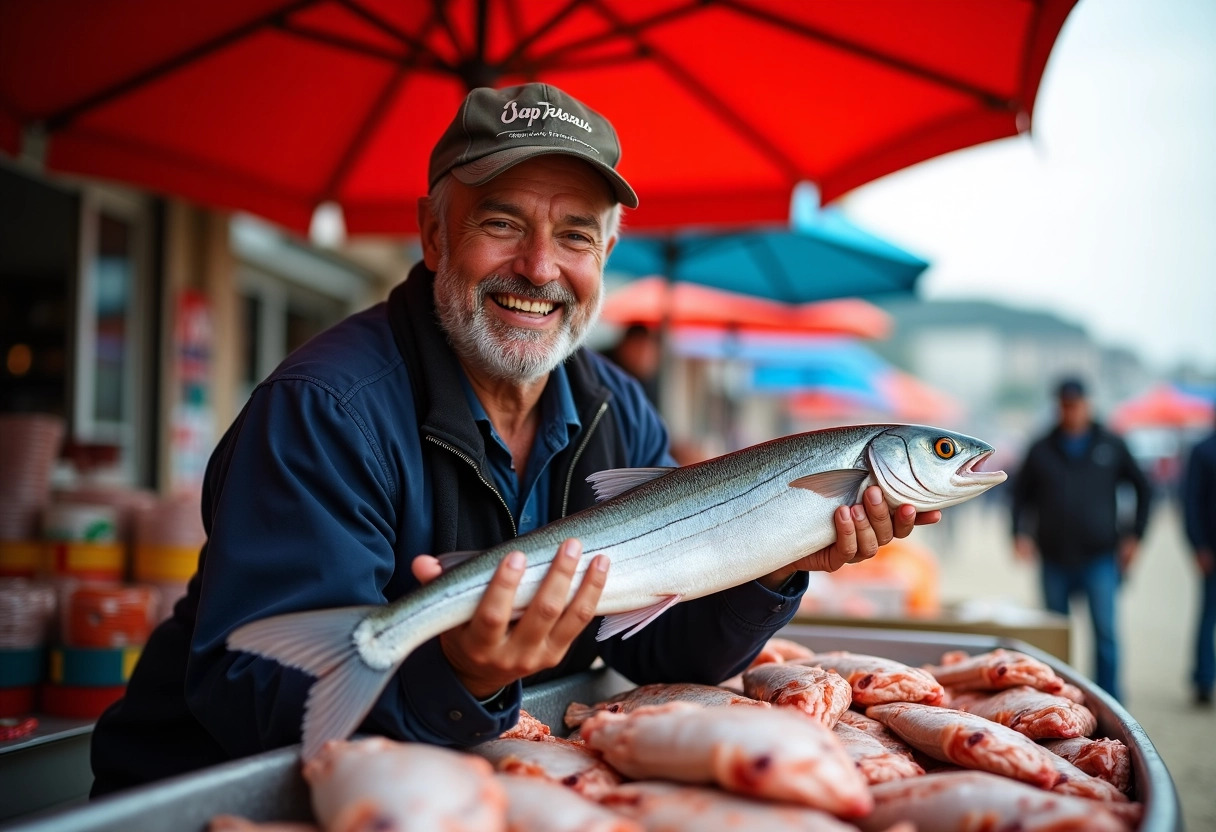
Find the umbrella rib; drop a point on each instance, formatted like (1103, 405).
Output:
(340, 42)
(524, 41)
(986, 97)
(366, 129)
(771, 266)
(67, 115)
(441, 15)
(604, 37)
(417, 43)
(711, 102)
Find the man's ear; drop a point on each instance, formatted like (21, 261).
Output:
(428, 230)
(608, 248)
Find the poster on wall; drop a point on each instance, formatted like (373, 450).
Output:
(193, 421)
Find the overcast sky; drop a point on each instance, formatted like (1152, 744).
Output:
(1106, 215)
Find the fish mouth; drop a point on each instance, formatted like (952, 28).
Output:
(968, 475)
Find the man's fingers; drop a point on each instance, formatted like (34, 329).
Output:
(582, 606)
(879, 515)
(867, 540)
(547, 606)
(426, 568)
(493, 615)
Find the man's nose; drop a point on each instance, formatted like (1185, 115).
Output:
(537, 259)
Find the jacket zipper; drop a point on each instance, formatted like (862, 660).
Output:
(578, 453)
(477, 470)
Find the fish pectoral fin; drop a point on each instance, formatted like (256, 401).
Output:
(450, 560)
(834, 485)
(613, 481)
(637, 619)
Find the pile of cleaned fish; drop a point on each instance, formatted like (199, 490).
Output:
(800, 741)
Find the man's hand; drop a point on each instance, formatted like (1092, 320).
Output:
(1128, 546)
(1024, 549)
(860, 530)
(489, 652)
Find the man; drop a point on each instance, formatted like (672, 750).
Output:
(1064, 504)
(1199, 512)
(458, 414)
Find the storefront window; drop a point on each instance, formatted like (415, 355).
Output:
(114, 272)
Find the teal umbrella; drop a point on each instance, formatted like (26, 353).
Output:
(819, 257)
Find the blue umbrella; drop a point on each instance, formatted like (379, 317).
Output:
(820, 257)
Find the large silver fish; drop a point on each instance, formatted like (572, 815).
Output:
(672, 534)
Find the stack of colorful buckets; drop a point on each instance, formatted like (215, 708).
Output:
(82, 585)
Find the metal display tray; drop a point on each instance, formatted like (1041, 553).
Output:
(269, 786)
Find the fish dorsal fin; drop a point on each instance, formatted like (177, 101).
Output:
(450, 560)
(834, 485)
(613, 481)
(637, 619)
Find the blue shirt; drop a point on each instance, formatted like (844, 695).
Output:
(559, 423)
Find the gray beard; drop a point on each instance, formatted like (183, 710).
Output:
(505, 352)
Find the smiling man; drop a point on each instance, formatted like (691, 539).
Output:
(460, 413)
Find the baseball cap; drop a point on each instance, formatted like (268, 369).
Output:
(496, 129)
(1070, 388)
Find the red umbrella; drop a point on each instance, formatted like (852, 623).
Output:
(1163, 406)
(275, 106)
(655, 301)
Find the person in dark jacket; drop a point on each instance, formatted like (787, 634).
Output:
(461, 412)
(1065, 507)
(1199, 514)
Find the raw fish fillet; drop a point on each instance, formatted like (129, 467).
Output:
(969, 741)
(379, 784)
(777, 650)
(674, 808)
(876, 680)
(821, 694)
(1104, 758)
(774, 753)
(528, 728)
(569, 764)
(1029, 711)
(995, 670)
(974, 801)
(658, 694)
(540, 806)
(875, 761)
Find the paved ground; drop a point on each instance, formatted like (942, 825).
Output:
(1156, 616)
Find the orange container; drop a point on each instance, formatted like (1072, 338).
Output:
(95, 615)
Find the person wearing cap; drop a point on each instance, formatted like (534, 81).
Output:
(1064, 505)
(457, 414)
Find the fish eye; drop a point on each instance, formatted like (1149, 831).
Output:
(945, 447)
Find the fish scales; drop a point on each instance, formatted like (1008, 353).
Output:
(664, 527)
(679, 535)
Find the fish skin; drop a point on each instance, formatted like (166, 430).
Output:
(667, 540)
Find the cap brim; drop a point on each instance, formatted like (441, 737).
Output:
(481, 171)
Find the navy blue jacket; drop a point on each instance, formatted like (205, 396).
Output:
(356, 455)
(1199, 495)
(1068, 505)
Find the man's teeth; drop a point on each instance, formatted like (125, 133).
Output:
(539, 307)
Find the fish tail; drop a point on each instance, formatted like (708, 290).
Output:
(320, 643)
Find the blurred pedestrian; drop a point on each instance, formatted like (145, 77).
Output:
(639, 353)
(1199, 512)
(1064, 506)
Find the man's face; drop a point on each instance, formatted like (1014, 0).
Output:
(1074, 413)
(519, 264)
